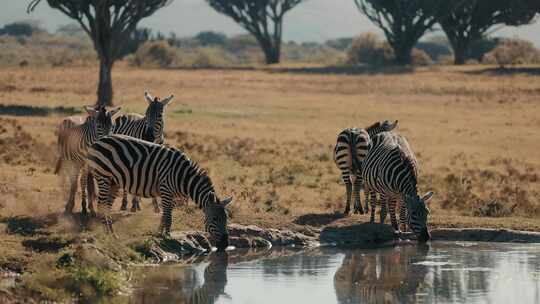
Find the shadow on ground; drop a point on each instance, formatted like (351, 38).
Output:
(21, 110)
(343, 70)
(318, 219)
(29, 226)
(533, 71)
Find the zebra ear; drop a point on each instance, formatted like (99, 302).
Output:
(148, 97)
(167, 100)
(427, 197)
(227, 201)
(393, 125)
(115, 110)
(90, 110)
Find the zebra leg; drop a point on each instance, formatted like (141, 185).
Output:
(156, 205)
(84, 184)
(167, 203)
(402, 215)
(372, 195)
(124, 201)
(135, 203)
(91, 193)
(357, 185)
(73, 178)
(384, 201)
(348, 187)
(105, 202)
(392, 208)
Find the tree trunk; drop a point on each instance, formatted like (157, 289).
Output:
(403, 55)
(272, 55)
(105, 90)
(460, 55)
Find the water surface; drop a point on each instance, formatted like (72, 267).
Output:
(441, 272)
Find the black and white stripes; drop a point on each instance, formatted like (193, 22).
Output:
(148, 127)
(150, 170)
(75, 135)
(390, 169)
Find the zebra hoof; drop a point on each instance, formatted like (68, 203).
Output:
(93, 213)
(123, 208)
(133, 209)
(156, 210)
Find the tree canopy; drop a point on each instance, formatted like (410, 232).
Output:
(262, 18)
(109, 23)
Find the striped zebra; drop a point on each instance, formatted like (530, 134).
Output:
(351, 148)
(149, 170)
(75, 135)
(390, 169)
(148, 127)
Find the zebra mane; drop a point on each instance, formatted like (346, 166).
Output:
(373, 127)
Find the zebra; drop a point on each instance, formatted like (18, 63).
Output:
(390, 169)
(150, 170)
(75, 135)
(355, 142)
(148, 127)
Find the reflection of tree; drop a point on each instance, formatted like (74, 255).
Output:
(182, 285)
(308, 263)
(451, 283)
(389, 275)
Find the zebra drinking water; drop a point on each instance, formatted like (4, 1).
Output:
(75, 135)
(149, 170)
(391, 169)
(148, 127)
(351, 148)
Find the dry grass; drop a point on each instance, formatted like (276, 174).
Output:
(266, 137)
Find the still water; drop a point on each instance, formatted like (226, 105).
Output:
(437, 273)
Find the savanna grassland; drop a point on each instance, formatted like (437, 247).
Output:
(266, 137)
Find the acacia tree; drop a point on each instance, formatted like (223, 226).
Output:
(109, 23)
(470, 20)
(262, 18)
(404, 22)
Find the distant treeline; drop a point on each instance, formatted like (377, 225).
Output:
(24, 43)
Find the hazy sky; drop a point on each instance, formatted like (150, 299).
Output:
(313, 20)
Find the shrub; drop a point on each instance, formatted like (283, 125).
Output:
(435, 48)
(211, 38)
(154, 54)
(420, 57)
(20, 29)
(513, 51)
(368, 48)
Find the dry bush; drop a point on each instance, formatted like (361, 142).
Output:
(368, 48)
(421, 58)
(512, 52)
(154, 54)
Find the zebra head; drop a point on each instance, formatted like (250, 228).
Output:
(388, 126)
(417, 215)
(215, 221)
(102, 119)
(154, 117)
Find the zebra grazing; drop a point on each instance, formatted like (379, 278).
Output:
(351, 148)
(75, 135)
(390, 169)
(149, 170)
(148, 127)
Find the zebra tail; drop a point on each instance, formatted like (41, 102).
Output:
(354, 156)
(91, 190)
(58, 165)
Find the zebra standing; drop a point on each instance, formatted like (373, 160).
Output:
(391, 170)
(75, 135)
(351, 148)
(150, 170)
(148, 127)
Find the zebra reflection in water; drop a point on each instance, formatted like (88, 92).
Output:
(174, 285)
(390, 275)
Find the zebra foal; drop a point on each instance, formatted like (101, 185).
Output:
(390, 169)
(350, 150)
(75, 135)
(149, 170)
(148, 127)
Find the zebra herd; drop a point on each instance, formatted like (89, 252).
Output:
(129, 156)
(383, 163)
